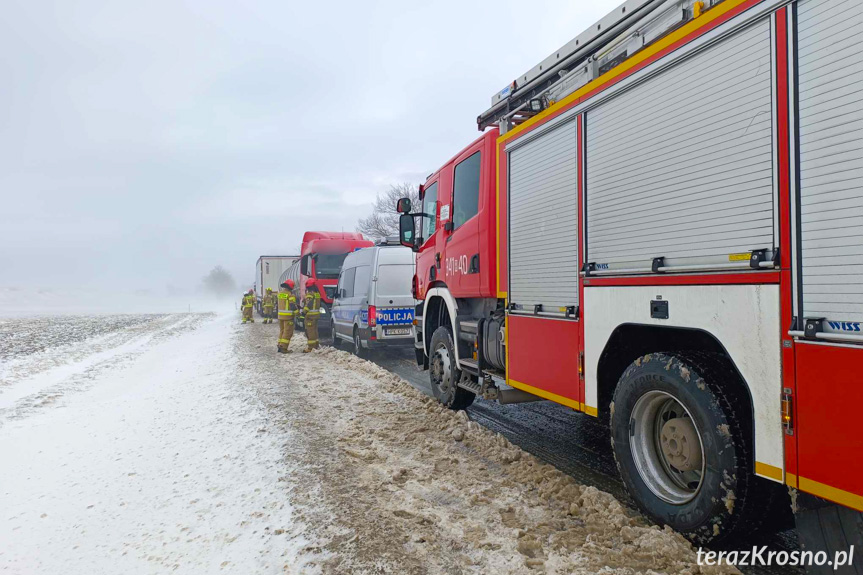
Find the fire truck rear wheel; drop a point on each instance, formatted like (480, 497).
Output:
(681, 446)
(444, 372)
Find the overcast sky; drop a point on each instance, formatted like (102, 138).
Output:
(142, 143)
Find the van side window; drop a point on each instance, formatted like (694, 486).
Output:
(346, 283)
(429, 223)
(466, 190)
(361, 282)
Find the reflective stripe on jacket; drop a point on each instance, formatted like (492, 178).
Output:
(287, 304)
(313, 304)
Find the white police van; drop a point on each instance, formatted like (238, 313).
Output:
(373, 306)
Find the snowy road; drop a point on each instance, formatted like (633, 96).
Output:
(185, 444)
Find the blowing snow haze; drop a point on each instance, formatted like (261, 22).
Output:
(142, 144)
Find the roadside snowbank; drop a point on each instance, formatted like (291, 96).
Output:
(392, 482)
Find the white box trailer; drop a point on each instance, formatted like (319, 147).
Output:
(268, 270)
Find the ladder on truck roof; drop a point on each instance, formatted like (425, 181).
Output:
(629, 28)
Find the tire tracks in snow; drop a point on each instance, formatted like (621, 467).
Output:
(388, 481)
(42, 378)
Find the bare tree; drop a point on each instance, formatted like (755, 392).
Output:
(220, 282)
(384, 219)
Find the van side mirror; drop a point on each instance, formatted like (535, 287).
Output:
(407, 232)
(404, 206)
(306, 265)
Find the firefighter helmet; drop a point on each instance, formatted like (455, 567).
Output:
(288, 284)
(310, 283)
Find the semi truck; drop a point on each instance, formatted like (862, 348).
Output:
(660, 227)
(321, 257)
(268, 270)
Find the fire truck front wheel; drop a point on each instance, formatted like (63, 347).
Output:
(444, 372)
(681, 446)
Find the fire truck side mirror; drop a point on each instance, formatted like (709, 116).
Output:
(404, 206)
(407, 232)
(306, 265)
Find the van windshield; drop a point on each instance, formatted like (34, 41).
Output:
(328, 266)
(394, 280)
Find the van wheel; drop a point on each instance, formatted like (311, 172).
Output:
(444, 374)
(331, 339)
(359, 351)
(683, 449)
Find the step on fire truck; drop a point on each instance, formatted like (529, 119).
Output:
(662, 226)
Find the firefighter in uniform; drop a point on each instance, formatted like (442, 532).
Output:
(268, 302)
(287, 307)
(311, 312)
(248, 305)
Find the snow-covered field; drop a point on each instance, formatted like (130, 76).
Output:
(186, 444)
(148, 455)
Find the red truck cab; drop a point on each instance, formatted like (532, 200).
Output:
(321, 259)
(456, 236)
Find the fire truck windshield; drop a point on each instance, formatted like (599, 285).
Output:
(328, 266)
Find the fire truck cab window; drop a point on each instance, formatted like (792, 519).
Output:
(466, 190)
(429, 224)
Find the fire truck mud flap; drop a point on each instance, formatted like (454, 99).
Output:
(833, 529)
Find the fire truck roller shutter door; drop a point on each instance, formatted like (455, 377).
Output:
(680, 166)
(543, 237)
(830, 60)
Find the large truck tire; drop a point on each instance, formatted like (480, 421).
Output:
(444, 372)
(823, 526)
(682, 445)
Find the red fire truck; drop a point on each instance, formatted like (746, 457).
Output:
(321, 258)
(662, 226)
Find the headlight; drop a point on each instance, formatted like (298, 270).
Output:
(323, 310)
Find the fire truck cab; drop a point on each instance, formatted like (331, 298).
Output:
(660, 227)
